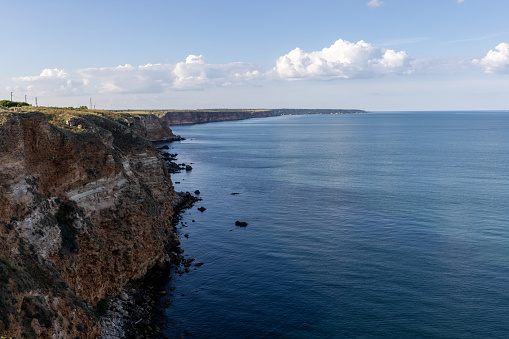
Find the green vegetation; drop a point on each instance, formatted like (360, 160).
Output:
(8, 103)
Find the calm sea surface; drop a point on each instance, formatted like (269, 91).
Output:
(363, 225)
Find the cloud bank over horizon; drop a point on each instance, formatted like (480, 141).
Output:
(341, 61)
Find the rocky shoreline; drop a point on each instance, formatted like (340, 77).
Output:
(133, 313)
(87, 223)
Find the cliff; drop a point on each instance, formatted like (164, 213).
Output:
(176, 118)
(85, 207)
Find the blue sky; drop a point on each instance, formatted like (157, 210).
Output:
(367, 54)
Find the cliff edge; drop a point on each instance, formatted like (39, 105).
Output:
(85, 207)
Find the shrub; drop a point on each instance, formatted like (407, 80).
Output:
(8, 103)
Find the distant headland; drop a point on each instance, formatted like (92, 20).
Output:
(191, 117)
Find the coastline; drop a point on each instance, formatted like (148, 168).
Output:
(134, 312)
(90, 205)
(191, 117)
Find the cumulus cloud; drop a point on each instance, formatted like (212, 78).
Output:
(496, 61)
(375, 3)
(55, 80)
(195, 73)
(192, 74)
(343, 59)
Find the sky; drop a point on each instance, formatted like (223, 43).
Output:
(378, 55)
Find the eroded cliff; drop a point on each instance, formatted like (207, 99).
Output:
(175, 118)
(85, 206)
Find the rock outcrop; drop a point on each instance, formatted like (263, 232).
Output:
(151, 127)
(85, 207)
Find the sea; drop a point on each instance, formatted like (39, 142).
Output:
(376, 225)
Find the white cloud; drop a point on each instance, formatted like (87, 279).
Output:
(375, 3)
(195, 73)
(496, 61)
(149, 78)
(52, 80)
(192, 74)
(46, 74)
(342, 60)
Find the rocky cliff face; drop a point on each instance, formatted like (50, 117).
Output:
(175, 118)
(199, 117)
(151, 127)
(85, 206)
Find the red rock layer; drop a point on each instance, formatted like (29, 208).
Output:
(83, 210)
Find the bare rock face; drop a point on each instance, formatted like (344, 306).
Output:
(83, 210)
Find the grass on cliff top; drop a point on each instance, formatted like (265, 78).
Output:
(59, 116)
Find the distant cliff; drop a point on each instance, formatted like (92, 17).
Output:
(176, 118)
(85, 206)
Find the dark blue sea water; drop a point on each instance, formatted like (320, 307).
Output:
(360, 226)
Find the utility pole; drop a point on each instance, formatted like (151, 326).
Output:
(25, 98)
(11, 96)
(35, 101)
